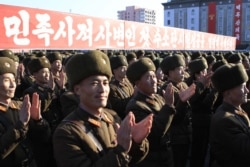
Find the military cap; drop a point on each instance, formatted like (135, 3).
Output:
(171, 62)
(53, 56)
(210, 59)
(229, 76)
(157, 62)
(195, 55)
(150, 55)
(130, 56)
(81, 66)
(10, 54)
(197, 65)
(7, 65)
(118, 61)
(218, 64)
(36, 64)
(138, 68)
(234, 58)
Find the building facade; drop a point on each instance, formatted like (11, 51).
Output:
(224, 17)
(134, 13)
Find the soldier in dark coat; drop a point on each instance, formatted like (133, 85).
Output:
(180, 129)
(90, 135)
(21, 123)
(121, 90)
(145, 102)
(202, 103)
(229, 133)
(44, 87)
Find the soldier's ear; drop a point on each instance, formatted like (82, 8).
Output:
(76, 89)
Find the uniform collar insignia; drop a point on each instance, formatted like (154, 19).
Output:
(94, 122)
(12, 105)
(3, 107)
(106, 119)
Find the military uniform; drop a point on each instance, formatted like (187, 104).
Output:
(230, 137)
(229, 130)
(160, 152)
(69, 102)
(17, 140)
(202, 103)
(120, 94)
(180, 129)
(45, 150)
(46, 96)
(85, 140)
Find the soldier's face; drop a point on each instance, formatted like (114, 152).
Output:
(93, 92)
(56, 65)
(238, 95)
(177, 75)
(7, 86)
(148, 83)
(120, 72)
(42, 76)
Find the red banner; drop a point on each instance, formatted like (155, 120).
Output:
(212, 17)
(28, 28)
(237, 20)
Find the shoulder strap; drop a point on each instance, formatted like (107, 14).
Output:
(89, 132)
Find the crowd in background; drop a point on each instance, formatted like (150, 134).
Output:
(180, 137)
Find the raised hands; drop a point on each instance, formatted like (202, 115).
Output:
(61, 80)
(35, 109)
(51, 82)
(24, 113)
(30, 110)
(205, 79)
(129, 130)
(142, 129)
(168, 94)
(186, 94)
(124, 135)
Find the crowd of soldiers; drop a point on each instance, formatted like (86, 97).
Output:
(124, 108)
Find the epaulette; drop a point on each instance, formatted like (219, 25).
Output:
(15, 105)
(3, 107)
(106, 119)
(94, 122)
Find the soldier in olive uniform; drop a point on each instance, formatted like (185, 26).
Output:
(180, 130)
(20, 122)
(202, 103)
(146, 102)
(89, 135)
(229, 133)
(121, 90)
(44, 87)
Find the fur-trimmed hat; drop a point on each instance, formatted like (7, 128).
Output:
(234, 58)
(130, 56)
(138, 68)
(218, 64)
(157, 62)
(118, 61)
(10, 54)
(7, 65)
(81, 66)
(171, 62)
(53, 56)
(37, 64)
(229, 76)
(210, 59)
(197, 65)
